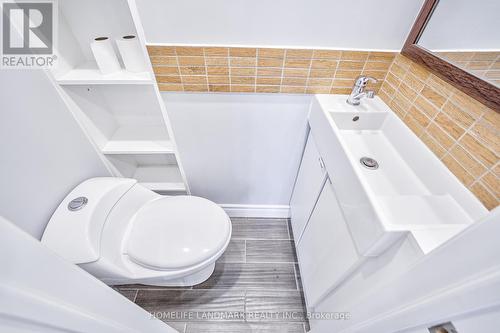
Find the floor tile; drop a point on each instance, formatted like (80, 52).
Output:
(193, 305)
(130, 293)
(270, 251)
(274, 276)
(178, 326)
(260, 229)
(271, 305)
(225, 327)
(235, 252)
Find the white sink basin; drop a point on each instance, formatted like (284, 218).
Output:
(411, 191)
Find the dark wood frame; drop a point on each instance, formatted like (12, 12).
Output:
(470, 84)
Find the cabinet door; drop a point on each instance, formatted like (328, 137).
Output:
(327, 253)
(307, 188)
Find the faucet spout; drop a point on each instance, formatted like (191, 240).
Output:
(358, 90)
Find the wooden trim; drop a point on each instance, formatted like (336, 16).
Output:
(483, 91)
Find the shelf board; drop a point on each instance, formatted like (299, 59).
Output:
(90, 74)
(139, 140)
(161, 178)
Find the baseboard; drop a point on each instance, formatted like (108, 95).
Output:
(270, 211)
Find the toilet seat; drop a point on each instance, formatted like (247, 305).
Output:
(172, 233)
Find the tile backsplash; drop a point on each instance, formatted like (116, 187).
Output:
(463, 133)
(264, 70)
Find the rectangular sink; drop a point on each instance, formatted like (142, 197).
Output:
(409, 191)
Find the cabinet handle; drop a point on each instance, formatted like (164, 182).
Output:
(321, 163)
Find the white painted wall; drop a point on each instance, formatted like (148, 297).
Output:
(242, 149)
(43, 152)
(463, 25)
(339, 24)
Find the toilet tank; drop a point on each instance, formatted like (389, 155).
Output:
(74, 230)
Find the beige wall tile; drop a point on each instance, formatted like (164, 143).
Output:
(297, 63)
(242, 62)
(166, 70)
(269, 81)
(326, 54)
(449, 126)
(218, 80)
(484, 195)
(478, 150)
(342, 91)
(166, 61)
(168, 79)
(381, 56)
(292, 90)
(467, 161)
(458, 170)
(216, 61)
(219, 88)
(300, 54)
(196, 87)
(267, 89)
(324, 64)
(492, 182)
(194, 80)
(170, 87)
(354, 55)
(192, 70)
(161, 50)
(295, 72)
(242, 88)
(322, 73)
(317, 90)
(216, 51)
(433, 96)
(217, 70)
(269, 62)
(245, 80)
(319, 82)
(242, 52)
(271, 53)
(189, 51)
(273, 72)
(191, 61)
(244, 71)
(294, 81)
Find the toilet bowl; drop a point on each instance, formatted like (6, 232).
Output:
(122, 232)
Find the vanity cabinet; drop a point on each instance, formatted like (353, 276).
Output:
(310, 179)
(326, 251)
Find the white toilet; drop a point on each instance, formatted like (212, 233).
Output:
(122, 232)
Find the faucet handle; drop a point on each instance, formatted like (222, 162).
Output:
(362, 80)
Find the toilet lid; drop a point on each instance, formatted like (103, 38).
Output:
(177, 232)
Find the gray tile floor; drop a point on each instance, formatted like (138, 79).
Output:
(257, 276)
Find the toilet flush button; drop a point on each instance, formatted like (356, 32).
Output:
(77, 204)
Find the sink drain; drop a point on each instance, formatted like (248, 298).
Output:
(369, 163)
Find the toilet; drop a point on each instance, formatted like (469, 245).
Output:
(121, 232)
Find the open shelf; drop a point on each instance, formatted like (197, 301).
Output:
(160, 178)
(157, 172)
(90, 74)
(138, 140)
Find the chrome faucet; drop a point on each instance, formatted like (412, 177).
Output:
(358, 90)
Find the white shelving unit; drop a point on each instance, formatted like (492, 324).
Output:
(122, 113)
